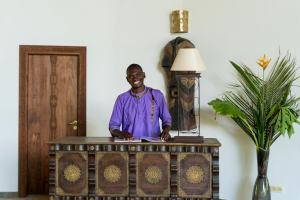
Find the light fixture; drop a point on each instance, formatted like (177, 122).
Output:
(188, 66)
(180, 21)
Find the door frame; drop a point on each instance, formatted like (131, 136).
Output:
(24, 52)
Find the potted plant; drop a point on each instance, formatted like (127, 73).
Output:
(264, 108)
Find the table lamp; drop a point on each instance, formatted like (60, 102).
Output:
(188, 66)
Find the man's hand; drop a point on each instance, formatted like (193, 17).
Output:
(121, 134)
(126, 135)
(165, 136)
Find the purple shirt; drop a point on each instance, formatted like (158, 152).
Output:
(139, 114)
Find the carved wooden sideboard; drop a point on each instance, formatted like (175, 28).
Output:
(85, 168)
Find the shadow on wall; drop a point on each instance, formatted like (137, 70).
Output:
(162, 71)
(245, 151)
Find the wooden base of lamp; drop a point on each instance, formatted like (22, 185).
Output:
(188, 139)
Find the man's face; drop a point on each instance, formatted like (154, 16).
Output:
(135, 77)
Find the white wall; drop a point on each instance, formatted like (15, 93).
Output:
(119, 32)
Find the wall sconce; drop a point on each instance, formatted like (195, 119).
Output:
(180, 21)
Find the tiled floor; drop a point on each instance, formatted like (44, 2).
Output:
(30, 197)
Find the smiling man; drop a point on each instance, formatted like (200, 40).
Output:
(137, 112)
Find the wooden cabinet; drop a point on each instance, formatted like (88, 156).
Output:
(84, 168)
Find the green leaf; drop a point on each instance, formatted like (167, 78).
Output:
(248, 79)
(226, 108)
(284, 121)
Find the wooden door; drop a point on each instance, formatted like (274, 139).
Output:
(52, 105)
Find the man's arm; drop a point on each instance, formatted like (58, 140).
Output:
(165, 116)
(116, 120)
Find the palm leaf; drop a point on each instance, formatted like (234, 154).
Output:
(226, 108)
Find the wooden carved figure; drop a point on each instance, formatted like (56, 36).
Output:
(185, 107)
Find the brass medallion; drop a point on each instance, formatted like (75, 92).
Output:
(112, 173)
(194, 174)
(153, 174)
(72, 173)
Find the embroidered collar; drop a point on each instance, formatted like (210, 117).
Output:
(140, 94)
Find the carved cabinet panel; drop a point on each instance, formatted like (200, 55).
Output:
(71, 173)
(82, 168)
(153, 174)
(194, 175)
(112, 174)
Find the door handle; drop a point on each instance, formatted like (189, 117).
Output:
(74, 124)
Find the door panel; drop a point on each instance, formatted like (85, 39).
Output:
(52, 95)
(38, 122)
(64, 85)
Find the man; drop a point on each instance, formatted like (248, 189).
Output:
(138, 110)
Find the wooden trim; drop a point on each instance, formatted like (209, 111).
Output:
(24, 52)
(22, 123)
(110, 140)
(81, 104)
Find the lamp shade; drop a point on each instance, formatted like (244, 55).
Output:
(188, 59)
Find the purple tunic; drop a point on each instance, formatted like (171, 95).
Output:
(139, 114)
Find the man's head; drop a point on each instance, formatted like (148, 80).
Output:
(135, 77)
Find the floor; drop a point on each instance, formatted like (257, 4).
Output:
(30, 197)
